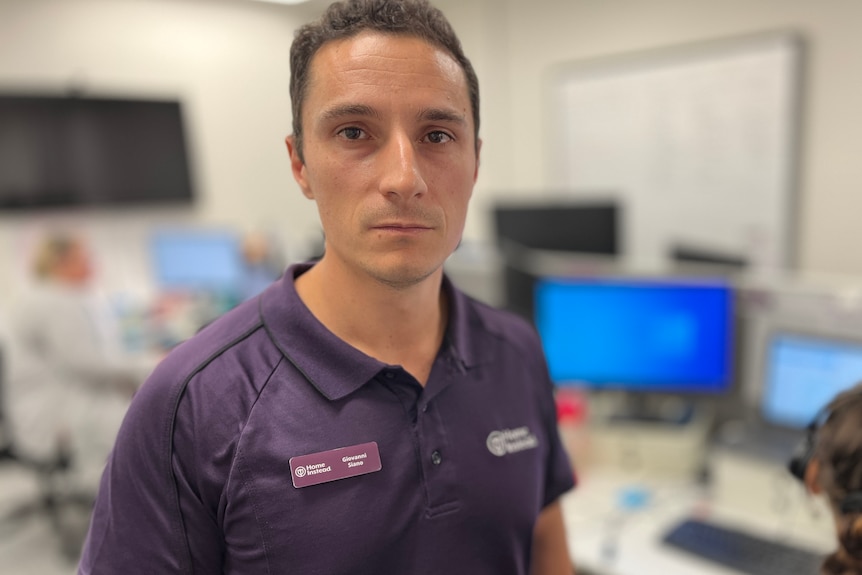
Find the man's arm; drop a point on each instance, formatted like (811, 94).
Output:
(550, 551)
(151, 514)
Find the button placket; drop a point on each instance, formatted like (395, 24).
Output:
(440, 471)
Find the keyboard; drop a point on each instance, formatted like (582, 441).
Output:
(744, 552)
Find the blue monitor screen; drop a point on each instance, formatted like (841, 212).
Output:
(803, 373)
(636, 334)
(197, 260)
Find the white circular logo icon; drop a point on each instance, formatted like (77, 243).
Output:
(300, 471)
(496, 443)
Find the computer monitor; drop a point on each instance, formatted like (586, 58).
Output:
(197, 260)
(585, 227)
(645, 335)
(573, 226)
(803, 372)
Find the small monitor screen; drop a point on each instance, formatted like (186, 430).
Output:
(637, 334)
(208, 260)
(803, 373)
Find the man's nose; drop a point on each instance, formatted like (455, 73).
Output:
(401, 174)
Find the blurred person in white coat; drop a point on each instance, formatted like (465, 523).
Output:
(68, 383)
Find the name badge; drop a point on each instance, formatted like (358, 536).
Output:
(334, 464)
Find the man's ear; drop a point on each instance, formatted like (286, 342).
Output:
(478, 150)
(812, 472)
(297, 166)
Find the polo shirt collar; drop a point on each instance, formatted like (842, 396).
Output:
(330, 364)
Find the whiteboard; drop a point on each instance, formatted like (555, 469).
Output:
(698, 143)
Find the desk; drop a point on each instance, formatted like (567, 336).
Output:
(760, 497)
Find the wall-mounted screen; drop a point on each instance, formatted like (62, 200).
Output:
(91, 152)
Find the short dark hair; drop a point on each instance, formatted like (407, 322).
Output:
(348, 18)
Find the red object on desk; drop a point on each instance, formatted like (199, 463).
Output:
(571, 407)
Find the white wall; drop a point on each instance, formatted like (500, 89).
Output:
(228, 61)
(531, 36)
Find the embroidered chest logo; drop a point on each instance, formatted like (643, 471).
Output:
(506, 441)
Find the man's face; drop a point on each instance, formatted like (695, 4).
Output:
(390, 155)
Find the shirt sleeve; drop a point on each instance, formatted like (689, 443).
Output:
(149, 516)
(560, 476)
(559, 472)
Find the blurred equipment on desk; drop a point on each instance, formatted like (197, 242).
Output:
(740, 550)
(743, 495)
(198, 274)
(202, 272)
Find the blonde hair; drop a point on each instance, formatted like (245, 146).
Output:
(51, 253)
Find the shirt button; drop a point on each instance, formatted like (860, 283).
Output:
(436, 458)
(390, 375)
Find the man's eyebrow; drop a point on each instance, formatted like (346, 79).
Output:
(442, 115)
(344, 110)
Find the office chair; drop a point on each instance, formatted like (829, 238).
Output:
(54, 500)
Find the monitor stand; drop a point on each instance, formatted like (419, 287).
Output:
(647, 433)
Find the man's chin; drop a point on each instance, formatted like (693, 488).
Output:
(402, 277)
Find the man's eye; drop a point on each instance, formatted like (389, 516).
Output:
(352, 133)
(438, 137)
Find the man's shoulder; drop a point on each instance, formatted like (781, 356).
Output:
(233, 343)
(501, 324)
(215, 338)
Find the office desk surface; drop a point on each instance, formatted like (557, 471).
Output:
(609, 537)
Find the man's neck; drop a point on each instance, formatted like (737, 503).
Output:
(399, 326)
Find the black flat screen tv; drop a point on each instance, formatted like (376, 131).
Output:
(61, 152)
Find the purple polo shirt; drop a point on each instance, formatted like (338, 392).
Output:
(200, 480)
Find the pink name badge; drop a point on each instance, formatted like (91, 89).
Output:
(334, 464)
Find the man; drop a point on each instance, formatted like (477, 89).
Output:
(361, 415)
